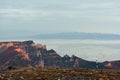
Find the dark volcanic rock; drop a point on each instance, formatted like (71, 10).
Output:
(27, 53)
(28, 42)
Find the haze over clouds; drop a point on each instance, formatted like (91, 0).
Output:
(23, 17)
(31, 17)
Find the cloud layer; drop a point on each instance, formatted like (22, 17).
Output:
(61, 16)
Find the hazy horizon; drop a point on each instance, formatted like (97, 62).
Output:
(32, 17)
(28, 17)
(85, 49)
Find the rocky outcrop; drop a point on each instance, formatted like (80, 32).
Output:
(112, 64)
(17, 53)
(27, 53)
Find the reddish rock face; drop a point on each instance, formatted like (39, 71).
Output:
(27, 53)
(108, 64)
(12, 53)
(22, 53)
(112, 64)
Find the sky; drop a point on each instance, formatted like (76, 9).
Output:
(29, 17)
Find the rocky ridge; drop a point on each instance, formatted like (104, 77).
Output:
(27, 53)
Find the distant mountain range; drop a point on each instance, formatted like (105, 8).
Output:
(27, 53)
(78, 35)
(67, 35)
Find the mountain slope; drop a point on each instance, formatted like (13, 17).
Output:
(27, 53)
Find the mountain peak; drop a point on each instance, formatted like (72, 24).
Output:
(26, 53)
(66, 56)
(28, 42)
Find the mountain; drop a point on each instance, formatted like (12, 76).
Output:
(27, 53)
(78, 35)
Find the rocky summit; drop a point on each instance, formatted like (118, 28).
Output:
(27, 53)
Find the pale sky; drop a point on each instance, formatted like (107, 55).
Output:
(25, 17)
